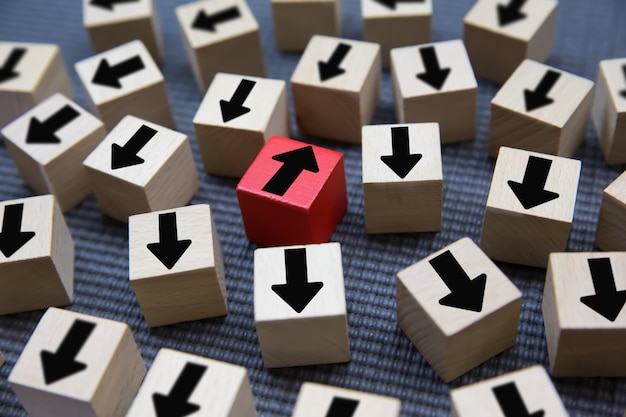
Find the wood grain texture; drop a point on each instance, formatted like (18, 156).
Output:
(611, 232)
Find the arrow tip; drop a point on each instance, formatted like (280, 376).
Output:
(105, 4)
(623, 93)
(166, 406)
(328, 71)
(401, 164)
(39, 133)
(7, 75)
(122, 158)
(302, 157)
(170, 252)
(508, 15)
(106, 76)
(203, 22)
(529, 196)
(470, 298)
(298, 296)
(232, 111)
(388, 3)
(11, 243)
(56, 368)
(534, 101)
(435, 79)
(607, 305)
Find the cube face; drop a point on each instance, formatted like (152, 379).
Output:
(611, 233)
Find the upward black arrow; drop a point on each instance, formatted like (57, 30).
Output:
(44, 132)
(607, 301)
(401, 161)
(539, 97)
(208, 22)
(294, 162)
(330, 69)
(511, 401)
(510, 13)
(12, 238)
(298, 291)
(235, 108)
(434, 75)
(392, 3)
(464, 293)
(623, 92)
(169, 249)
(176, 403)
(125, 156)
(342, 407)
(530, 192)
(7, 71)
(60, 365)
(109, 76)
(108, 4)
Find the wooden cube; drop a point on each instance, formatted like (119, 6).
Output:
(193, 385)
(584, 314)
(78, 365)
(611, 232)
(410, 20)
(296, 21)
(500, 35)
(449, 298)
(530, 207)
(125, 80)
(541, 109)
(220, 36)
(176, 267)
(110, 23)
(435, 83)
(317, 400)
(608, 112)
(140, 167)
(293, 193)
(300, 305)
(29, 73)
(48, 145)
(402, 178)
(1, 359)
(336, 87)
(36, 255)
(236, 117)
(526, 392)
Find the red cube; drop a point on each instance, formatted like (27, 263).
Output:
(293, 193)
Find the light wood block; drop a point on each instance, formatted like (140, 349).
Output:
(1, 359)
(176, 267)
(336, 87)
(608, 112)
(110, 23)
(411, 23)
(193, 385)
(36, 255)
(48, 145)
(611, 232)
(220, 36)
(584, 314)
(457, 308)
(541, 109)
(29, 73)
(317, 400)
(300, 305)
(526, 392)
(236, 117)
(141, 167)
(78, 365)
(496, 47)
(435, 83)
(402, 178)
(125, 80)
(529, 215)
(296, 21)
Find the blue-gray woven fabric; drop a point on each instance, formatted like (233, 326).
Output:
(383, 359)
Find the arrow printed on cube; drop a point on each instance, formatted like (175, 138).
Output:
(330, 69)
(391, 4)
(204, 21)
(168, 249)
(177, 404)
(531, 192)
(342, 407)
(109, 76)
(607, 301)
(7, 71)
(465, 293)
(511, 401)
(12, 238)
(537, 98)
(434, 76)
(108, 4)
(44, 132)
(401, 161)
(294, 162)
(511, 12)
(126, 156)
(298, 291)
(234, 108)
(623, 92)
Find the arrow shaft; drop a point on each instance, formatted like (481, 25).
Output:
(450, 271)
(282, 180)
(242, 92)
(400, 140)
(339, 54)
(13, 59)
(547, 82)
(537, 170)
(429, 58)
(168, 231)
(296, 267)
(187, 381)
(12, 222)
(221, 16)
(602, 275)
(510, 400)
(75, 339)
(61, 118)
(140, 139)
(342, 407)
(127, 67)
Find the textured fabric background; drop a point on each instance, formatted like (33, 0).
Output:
(383, 359)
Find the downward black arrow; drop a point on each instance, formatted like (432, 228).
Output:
(108, 4)
(205, 21)
(392, 3)
(12, 238)
(60, 365)
(235, 108)
(464, 293)
(294, 162)
(125, 156)
(434, 75)
(607, 301)
(7, 70)
(342, 407)
(298, 291)
(169, 249)
(623, 92)
(511, 402)
(109, 76)
(511, 12)
(401, 161)
(176, 403)
(530, 192)
(330, 69)
(44, 132)
(539, 97)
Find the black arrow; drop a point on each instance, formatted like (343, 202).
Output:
(7, 70)
(298, 291)
(623, 92)
(342, 407)
(607, 301)
(60, 365)
(464, 293)
(330, 69)
(108, 4)
(44, 132)
(235, 108)
(511, 402)
(392, 3)
(434, 75)
(539, 97)
(109, 76)
(125, 156)
(294, 162)
(175, 404)
(12, 238)
(400, 161)
(530, 192)
(169, 249)
(511, 12)
(208, 22)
